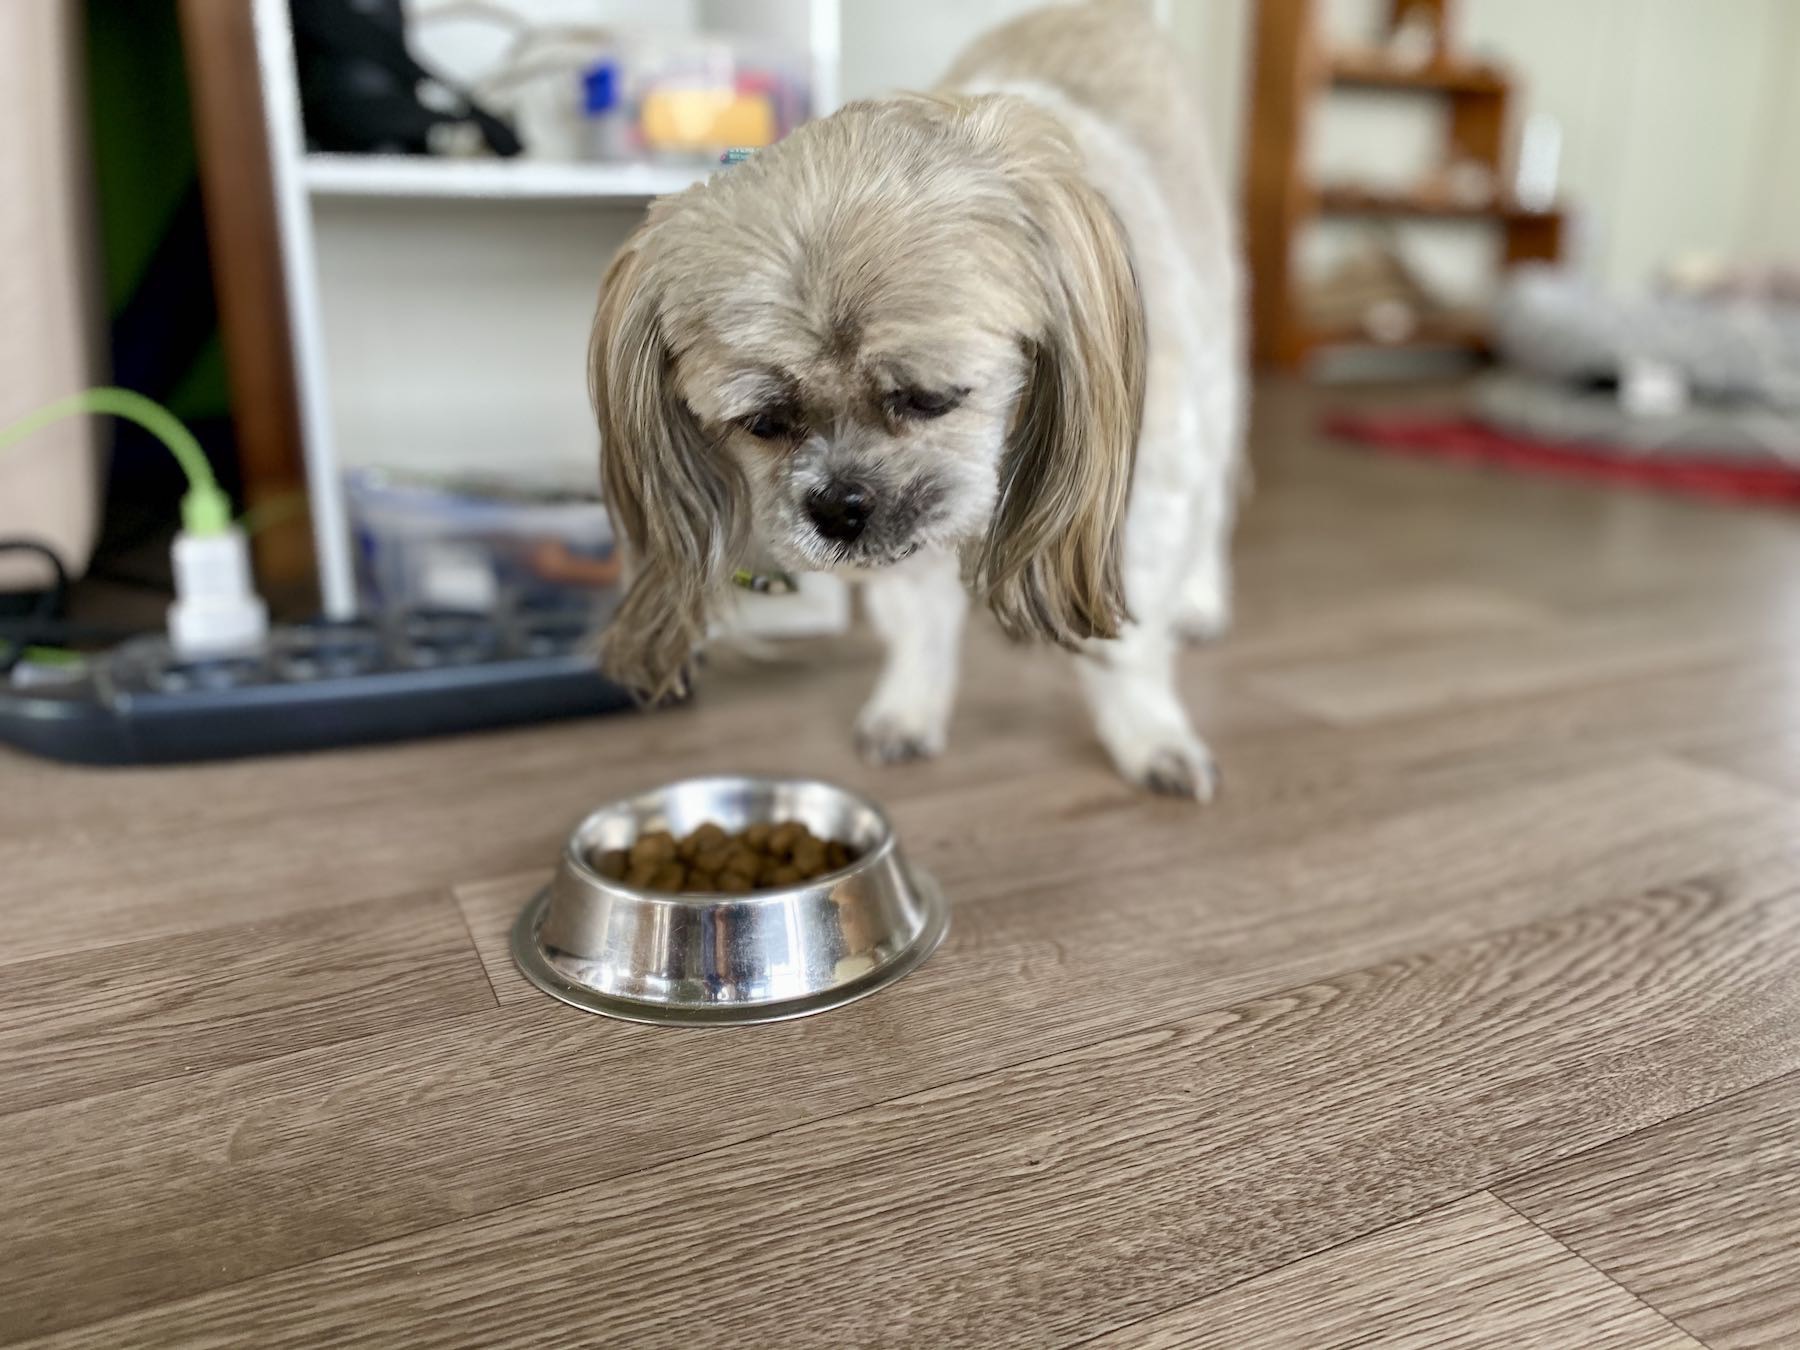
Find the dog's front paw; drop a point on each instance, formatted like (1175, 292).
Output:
(892, 736)
(1186, 771)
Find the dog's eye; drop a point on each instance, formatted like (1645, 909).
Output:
(924, 404)
(769, 426)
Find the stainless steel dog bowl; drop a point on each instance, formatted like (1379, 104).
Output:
(700, 959)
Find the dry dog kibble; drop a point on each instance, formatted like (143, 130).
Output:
(656, 847)
(809, 856)
(712, 861)
(784, 837)
(739, 865)
(703, 840)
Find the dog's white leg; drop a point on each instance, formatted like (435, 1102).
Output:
(1203, 603)
(1130, 688)
(918, 607)
(1217, 413)
(1130, 681)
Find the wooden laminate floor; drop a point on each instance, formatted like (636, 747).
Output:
(1469, 1016)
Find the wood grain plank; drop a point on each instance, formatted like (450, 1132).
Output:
(432, 1127)
(1745, 696)
(1339, 526)
(1290, 629)
(1772, 759)
(1470, 1276)
(1377, 683)
(1338, 522)
(1132, 1176)
(1700, 1216)
(77, 1026)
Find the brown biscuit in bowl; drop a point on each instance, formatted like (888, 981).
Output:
(710, 860)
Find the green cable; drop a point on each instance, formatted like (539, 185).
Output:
(204, 508)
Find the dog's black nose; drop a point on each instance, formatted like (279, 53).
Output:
(840, 511)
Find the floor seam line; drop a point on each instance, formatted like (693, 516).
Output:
(1611, 1279)
(1515, 1178)
(474, 946)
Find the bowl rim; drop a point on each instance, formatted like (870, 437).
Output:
(577, 859)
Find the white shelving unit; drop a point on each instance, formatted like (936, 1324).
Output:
(396, 176)
(304, 183)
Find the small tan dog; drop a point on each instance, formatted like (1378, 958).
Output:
(984, 342)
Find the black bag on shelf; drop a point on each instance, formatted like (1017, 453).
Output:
(362, 92)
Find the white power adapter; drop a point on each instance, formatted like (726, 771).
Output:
(217, 611)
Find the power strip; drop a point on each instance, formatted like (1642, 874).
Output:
(311, 687)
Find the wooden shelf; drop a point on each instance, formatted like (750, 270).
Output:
(1353, 201)
(1294, 71)
(1466, 332)
(1374, 71)
(421, 176)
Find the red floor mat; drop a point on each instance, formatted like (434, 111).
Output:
(1470, 442)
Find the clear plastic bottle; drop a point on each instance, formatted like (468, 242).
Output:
(607, 120)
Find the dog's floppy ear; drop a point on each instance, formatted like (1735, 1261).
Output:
(1050, 565)
(672, 501)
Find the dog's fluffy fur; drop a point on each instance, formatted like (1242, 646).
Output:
(1008, 312)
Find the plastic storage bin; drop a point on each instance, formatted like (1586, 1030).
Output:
(689, 98)
(475, 548)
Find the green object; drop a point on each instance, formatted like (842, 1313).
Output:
(764, 583)
(144, 156)
(51, 656)
(147, 207)
(204, 509)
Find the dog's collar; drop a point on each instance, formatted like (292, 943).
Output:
(765, 583)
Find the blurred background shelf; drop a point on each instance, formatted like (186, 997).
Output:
(1297, 67)
(438, 307)
(1348, 201)
(420, 176)
(1461, 332)
(1370, 70)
